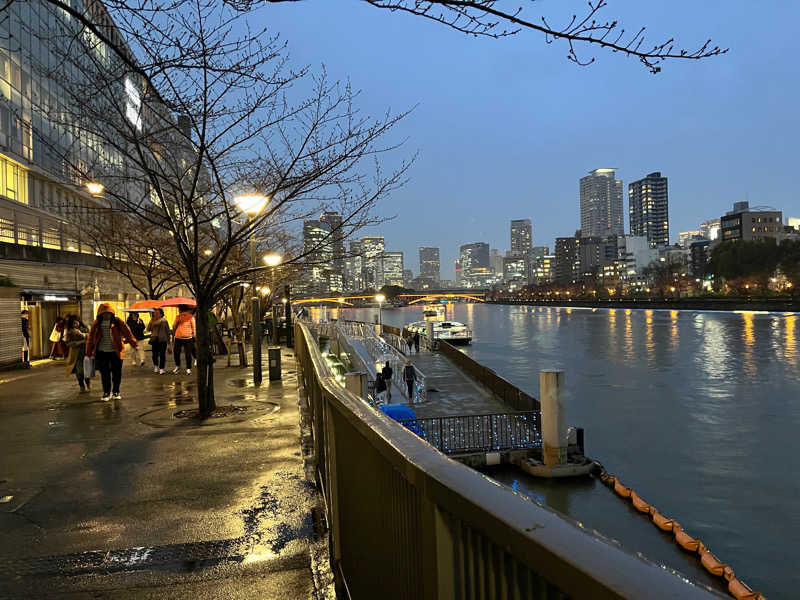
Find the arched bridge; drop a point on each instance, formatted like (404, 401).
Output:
(426, 296)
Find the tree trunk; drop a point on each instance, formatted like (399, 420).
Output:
(205, 361)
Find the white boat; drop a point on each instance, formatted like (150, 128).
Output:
(450, 331)
(434, 312)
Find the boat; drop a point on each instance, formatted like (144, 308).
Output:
(450, 331)
(434, 311)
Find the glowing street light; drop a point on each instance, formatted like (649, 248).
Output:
(208, 252)
(252, 204)
(272, 260)
(95, 188)
(265, 291)
(380, 298)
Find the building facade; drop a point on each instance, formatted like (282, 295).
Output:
(521, 237)
(372, 248)
(429, 267)
(390, 269)
(648, 208)
(756, 224)
(474, 265)
(601, 204)
(567, 263)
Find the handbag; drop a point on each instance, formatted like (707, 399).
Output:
(88, 367)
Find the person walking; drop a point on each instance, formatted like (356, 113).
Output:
(416, 342)
(26, 338)
(380, 388)
(410, 375)
(387, 373)
(106, 345)
(75, 334)
(184, 333)
(136, 325)
(159, 339)
(57, 339)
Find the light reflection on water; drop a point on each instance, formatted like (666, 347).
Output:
(698, 411)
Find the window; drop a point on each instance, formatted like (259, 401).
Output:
(13, 180)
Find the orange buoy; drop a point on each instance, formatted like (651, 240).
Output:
(640, 504)
(662, 522)
(623, 491)
(686, 541)
(711, 562)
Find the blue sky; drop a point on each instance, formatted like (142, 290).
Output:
(505, 128)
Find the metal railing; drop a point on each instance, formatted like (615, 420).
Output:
(407, 522)
(464, 434)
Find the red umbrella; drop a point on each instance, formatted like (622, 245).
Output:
(178, 302)
(142, 304)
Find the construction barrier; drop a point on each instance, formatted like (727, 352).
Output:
(737, 588)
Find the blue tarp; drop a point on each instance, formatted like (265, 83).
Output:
(398, 412)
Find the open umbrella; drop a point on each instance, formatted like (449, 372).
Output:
(178, 302)
(142, 304)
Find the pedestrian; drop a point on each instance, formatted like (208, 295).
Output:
(159, 339)
(136, 325)
(183, 332)
(380, 388)
(106, 345)
(416, 342)
(26, 338)
(57, 339)
(387, 373)
(410, 375)
(75, 334)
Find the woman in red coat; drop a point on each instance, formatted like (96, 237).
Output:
(106, 344)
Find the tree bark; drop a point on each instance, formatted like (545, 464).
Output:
(205, 361)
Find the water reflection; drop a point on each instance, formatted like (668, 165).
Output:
(790, 346)
(749, 340)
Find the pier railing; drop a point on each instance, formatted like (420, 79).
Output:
(510, 394)
(464, 434)
(407, 522)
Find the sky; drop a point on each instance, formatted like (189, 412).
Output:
(505, 128)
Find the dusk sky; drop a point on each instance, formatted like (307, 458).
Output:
(505, 128)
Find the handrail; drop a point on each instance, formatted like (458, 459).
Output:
(408, 522)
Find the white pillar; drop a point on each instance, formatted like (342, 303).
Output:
(554, 433)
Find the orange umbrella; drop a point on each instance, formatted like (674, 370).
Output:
(178, 301)
(142, 304)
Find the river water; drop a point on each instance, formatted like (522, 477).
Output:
(699, 412)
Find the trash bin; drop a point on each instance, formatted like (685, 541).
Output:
(274, 354)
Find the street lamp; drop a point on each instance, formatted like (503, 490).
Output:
(380, 298)
(273, 260)
(95, 188)
(252, 205)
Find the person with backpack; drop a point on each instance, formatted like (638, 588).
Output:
(387, 373)
(380, 388)
(184, 333)
(136, 325)
(410, 376)
(106, 344)
(416, 342)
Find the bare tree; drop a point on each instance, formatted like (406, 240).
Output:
(184, 109)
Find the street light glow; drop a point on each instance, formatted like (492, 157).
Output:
(265, 290)
(95, 188)
(207, 252)
(252, 204)
(272, 260)
(380, 298)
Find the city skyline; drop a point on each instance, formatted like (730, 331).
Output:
(528, 133)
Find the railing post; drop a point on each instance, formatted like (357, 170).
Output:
(554, 434)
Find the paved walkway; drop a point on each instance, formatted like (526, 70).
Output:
(128, 500)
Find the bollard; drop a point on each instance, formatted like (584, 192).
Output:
(274, 356)
(554, 433)
(356, 382)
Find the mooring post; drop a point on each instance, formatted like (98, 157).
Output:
(356, 382)
(554, 433)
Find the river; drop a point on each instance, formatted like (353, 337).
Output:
(699, 412)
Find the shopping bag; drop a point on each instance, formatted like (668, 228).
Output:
(88, 366)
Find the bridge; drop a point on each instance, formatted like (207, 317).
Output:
(474, 295)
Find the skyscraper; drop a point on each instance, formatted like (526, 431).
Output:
(567, 260)
(372, 248)
(429, 263)
(334, 222)
(476, 270)
(318, 255)
(601, 204)
(390, 269)
(521, 237)
(648, 209)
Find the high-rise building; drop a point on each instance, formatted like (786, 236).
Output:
(709, 230)
(648, 208)
(601, 204)
(496, 261)
(317, 257)
(353, 268)
(744, 223)
(371, 249)
(334, 222)
(521, 236)
(429, 263)
(390, 269)
(515, 272)
(475, 266)
(567, 263)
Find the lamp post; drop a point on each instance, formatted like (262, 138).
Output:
(273, 260)
(252, 205)
(380, 299)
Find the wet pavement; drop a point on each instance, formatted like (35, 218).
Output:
(133, 499)
(451, 391)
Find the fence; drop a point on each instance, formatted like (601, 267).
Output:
(407, 522)
(464, 434)
(506, 391)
